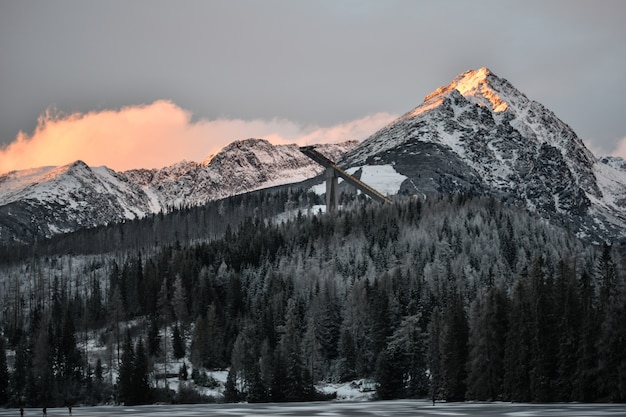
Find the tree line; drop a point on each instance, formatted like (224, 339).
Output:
(452, 298)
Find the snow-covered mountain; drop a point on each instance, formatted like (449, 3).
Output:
(477, 135)
(240, 167)
(481, 135)
(41, 202)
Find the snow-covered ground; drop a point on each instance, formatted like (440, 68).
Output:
(347, 391)
(332, 408)
(383, 178)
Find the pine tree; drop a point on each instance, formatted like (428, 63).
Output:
(4, 374)
(95, 307)
(257, 391)
(291, 353)
(179, 301)
(125, 380)
(611, 352)
(543, 332)
(178, 344)
(585, 377)
(154, 340)
(141, 387)
(69, 355)
(454, 351)
(389, 373)
(68, 360)
(488, 326)
(312, 351)
(569, 329)
(116, 316)
(434, 355)
(347, 369)
(165, 314)
(41, 385)
(231, 393)
(405, 372)
(267, 369)
(21, 370)
(199, 343)
(517, 353)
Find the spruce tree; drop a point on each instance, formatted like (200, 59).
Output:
(586, 373)
(611, 351)
(154, 340)
(569, 330)
(231, 393)
(517, 353)
(125, 380)
(141, 386)
(434, 355)
(21, 370)
(291, 353)
(4, 374)
(389, 374)
(454, 351)
(178, 344)
(488, 326)
(41, 384)
(347, 369)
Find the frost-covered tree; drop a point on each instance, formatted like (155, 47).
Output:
(179, 301)
(125, 379)
(611, 352)
(4, 373)
(291, 353)
(487, 335)
(453, 350)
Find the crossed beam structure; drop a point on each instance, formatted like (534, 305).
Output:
(333, 172)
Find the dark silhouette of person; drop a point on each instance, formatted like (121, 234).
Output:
(21, 411)
(45, 411)
(69, 407)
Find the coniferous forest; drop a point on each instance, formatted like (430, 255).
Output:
(452, 298)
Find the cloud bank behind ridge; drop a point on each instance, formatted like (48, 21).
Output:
(157, 135)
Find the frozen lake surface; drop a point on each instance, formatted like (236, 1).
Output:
(374, 408)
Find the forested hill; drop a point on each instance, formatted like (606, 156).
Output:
(454, 297)
(182, 225)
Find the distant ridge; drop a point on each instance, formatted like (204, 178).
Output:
(478, 135)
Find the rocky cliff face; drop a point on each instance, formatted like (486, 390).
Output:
(480, 135)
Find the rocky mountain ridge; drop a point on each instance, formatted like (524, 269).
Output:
(42, 202)
(477, 135)
(481, 135)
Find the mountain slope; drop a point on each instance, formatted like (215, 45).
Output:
(45, 201)
(240, 167)
(480, 135)
(476, 135)
(41, 202)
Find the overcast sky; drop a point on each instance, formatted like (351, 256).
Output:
(156, 81)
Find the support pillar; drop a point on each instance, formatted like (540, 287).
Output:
(332, 190)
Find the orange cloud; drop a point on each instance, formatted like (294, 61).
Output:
(157, 135)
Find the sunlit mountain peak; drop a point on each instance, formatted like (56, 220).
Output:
(480, 86)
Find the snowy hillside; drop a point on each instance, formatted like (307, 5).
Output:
(45, 201)
(481, 135)
(477, 135)
(240, 167)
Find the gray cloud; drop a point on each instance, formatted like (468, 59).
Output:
(315, 63)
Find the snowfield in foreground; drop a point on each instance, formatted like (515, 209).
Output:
(368, 408)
